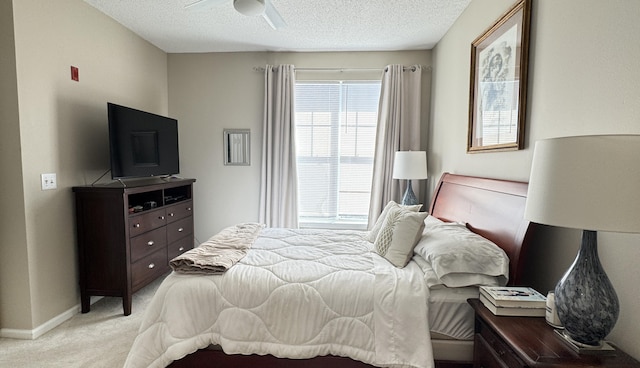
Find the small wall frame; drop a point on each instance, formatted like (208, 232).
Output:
(237, 147)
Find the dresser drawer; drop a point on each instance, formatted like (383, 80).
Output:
(179, 246)
(179, 229)
(141, 223)
(499, 350)
(148, 243)
(149, 267)
(179, 210)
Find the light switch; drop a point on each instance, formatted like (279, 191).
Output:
(49, 181)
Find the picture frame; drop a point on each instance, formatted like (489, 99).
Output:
(237, 147)
(498, 88)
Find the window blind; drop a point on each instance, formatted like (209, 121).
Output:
(335, 138)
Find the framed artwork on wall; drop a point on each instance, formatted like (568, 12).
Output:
(498, 88)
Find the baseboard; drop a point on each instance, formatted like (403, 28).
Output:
(12, 333)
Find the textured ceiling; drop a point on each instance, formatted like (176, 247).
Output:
(312, 25)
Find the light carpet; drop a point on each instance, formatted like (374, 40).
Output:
(100, 338)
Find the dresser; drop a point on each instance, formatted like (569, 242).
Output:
(506, 342)
(127, 232)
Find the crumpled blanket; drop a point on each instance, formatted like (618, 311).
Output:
(220, 252)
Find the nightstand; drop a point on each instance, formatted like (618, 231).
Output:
(530, 342)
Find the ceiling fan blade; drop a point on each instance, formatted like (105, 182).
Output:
(202, 3)
(272, 16)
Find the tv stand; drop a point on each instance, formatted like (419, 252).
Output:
(128, 234)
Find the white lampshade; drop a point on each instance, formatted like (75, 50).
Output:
(410, 165)
(586, 182)
(249, 7)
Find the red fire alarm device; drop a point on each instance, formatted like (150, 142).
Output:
(74, 74)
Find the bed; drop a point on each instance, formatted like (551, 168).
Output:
(490, 208)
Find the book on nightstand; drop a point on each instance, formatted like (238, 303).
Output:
(512, 311)
(514, 296)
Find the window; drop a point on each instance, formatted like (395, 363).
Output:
(335, 138)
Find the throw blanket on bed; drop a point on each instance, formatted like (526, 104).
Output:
(220, 252)
(296, 294)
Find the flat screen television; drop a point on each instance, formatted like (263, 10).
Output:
(141, 144)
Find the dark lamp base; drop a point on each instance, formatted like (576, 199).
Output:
(586, 302)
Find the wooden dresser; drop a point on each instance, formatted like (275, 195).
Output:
(127, 235)
(506, 342)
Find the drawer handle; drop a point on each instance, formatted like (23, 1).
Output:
(161, 217)
(150, 243)
(151, 265)
(136, 225)
(171, 214)
(180, 230)
(502, 353)
(181, 249)
(188, 208)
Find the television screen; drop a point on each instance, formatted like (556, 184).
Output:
(141, 144)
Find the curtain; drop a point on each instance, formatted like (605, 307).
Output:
(398, 130)
(278, 187)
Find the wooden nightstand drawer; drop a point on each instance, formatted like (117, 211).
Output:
(496, 347)
(148, 243)
(180, 246)
(149, 267)
(485, 356)
(179, 229)
(179, 210)
(141, 223)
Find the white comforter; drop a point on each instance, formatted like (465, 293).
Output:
(297, 294)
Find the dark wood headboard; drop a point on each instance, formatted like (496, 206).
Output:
(492, 208)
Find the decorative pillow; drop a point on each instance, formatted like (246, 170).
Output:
(460, 257)
(373, 234)
(399, 234)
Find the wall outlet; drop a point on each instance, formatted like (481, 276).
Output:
(49, 181)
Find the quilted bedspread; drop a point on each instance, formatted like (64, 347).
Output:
(296, 294)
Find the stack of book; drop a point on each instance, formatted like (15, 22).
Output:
(513, 301)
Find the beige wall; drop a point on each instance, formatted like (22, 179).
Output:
(583, 80)
(14, 292)
(211, 92)
(58, 125)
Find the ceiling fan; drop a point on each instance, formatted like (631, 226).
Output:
(248, 8)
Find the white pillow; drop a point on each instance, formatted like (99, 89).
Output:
(434, 221)
(460, 257)
(430, 278)
(373, 234)
(454, 280)
(399, 234)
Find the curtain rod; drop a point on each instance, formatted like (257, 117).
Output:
(412, 68)
(262, 69)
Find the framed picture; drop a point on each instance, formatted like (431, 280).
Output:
(497, 101)
(237, 147)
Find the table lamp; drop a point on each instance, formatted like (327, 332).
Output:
(410, 165)
(589, 183)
